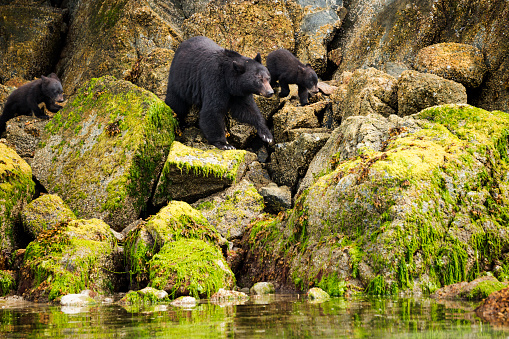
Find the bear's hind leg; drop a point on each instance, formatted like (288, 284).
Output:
(213, 127)
(178, 106)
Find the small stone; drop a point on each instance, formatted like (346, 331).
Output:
(262, 288)
(184, 302)
(317, 294)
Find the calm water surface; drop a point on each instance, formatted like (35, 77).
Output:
(282, 316)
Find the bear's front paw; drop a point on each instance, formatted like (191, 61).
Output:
(223, 146)
(43, 117)
(266, 136)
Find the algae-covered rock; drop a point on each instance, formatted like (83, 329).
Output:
(419, 214)
(417, 91)
(190, 267)
(245, 27)
(316, 294)
(44, 213)
(262, 288)
(178, 220)
(458, 62)
(127, 39)
(190, 173)
(7, 282)
(16, 190)
(103, 152)
(31, 40)
(230, 211)
(477, 289)
(68, 259)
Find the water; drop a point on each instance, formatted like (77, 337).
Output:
(280, 316)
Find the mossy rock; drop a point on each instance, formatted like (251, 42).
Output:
(7, 282)
(178, 220)
(44, 213)
(69, 259)
(190, 267)
(103, 152)
(190, 173)
(16, 190)
(429, 209)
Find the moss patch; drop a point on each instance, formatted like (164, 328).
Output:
(190, 267)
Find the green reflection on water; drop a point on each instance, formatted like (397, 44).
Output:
(284, 316)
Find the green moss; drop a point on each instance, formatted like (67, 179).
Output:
(190, 265)
(7, 282)
(334, 286)
(484, 289)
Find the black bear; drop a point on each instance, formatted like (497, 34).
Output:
(26, 99)
(287, 69)
(217, 80)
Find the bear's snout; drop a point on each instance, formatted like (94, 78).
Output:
(267, 90)
(60, 98)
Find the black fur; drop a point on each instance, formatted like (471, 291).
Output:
(26, 99)
(217, 80)
(287, 69)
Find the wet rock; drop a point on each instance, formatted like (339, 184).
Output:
(191, 173)
(317, 294)
(126, 39)
(476, 289)
(367, 91)
(23, 133)
(153, 293)
(233, 209)
(276, 198)
(417, 91)
(383, 201)
(31, 40)
(77, 300)
(184, 302)
(103, 152)
(262, 288)
(45, 213)
(16, 191)
(495, 308)
(227, 297)
(5, 91)
(245, 27)
(290, 160)
(458, 62)
(190, 267)
(68, 259)
(178, 220)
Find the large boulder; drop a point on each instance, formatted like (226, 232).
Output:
(191, 173)
(417, 91)
(245, 27)
(127, 39)
(30, 43)
(68, 259)
(102, 153)
(16, 190)
(458, 62)
(419, 214)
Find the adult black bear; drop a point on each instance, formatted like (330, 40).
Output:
(287, 69)
(217, 80)
(26, 99)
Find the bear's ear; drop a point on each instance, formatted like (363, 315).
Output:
(43, 78)
(258, 58)
(238, 67)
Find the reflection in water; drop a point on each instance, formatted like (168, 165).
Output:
(285, 316)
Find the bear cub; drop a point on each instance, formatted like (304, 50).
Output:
(287, 69)
(217, 80)
(26, 99)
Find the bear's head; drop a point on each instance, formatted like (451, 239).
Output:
(252, 77)
(310, 79)
(52, 88)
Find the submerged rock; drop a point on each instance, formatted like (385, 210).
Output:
(103, 152)
(477, 289)
(316, 294)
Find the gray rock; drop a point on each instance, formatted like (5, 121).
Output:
(276, 198)
(262, 288)
(417, 91)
